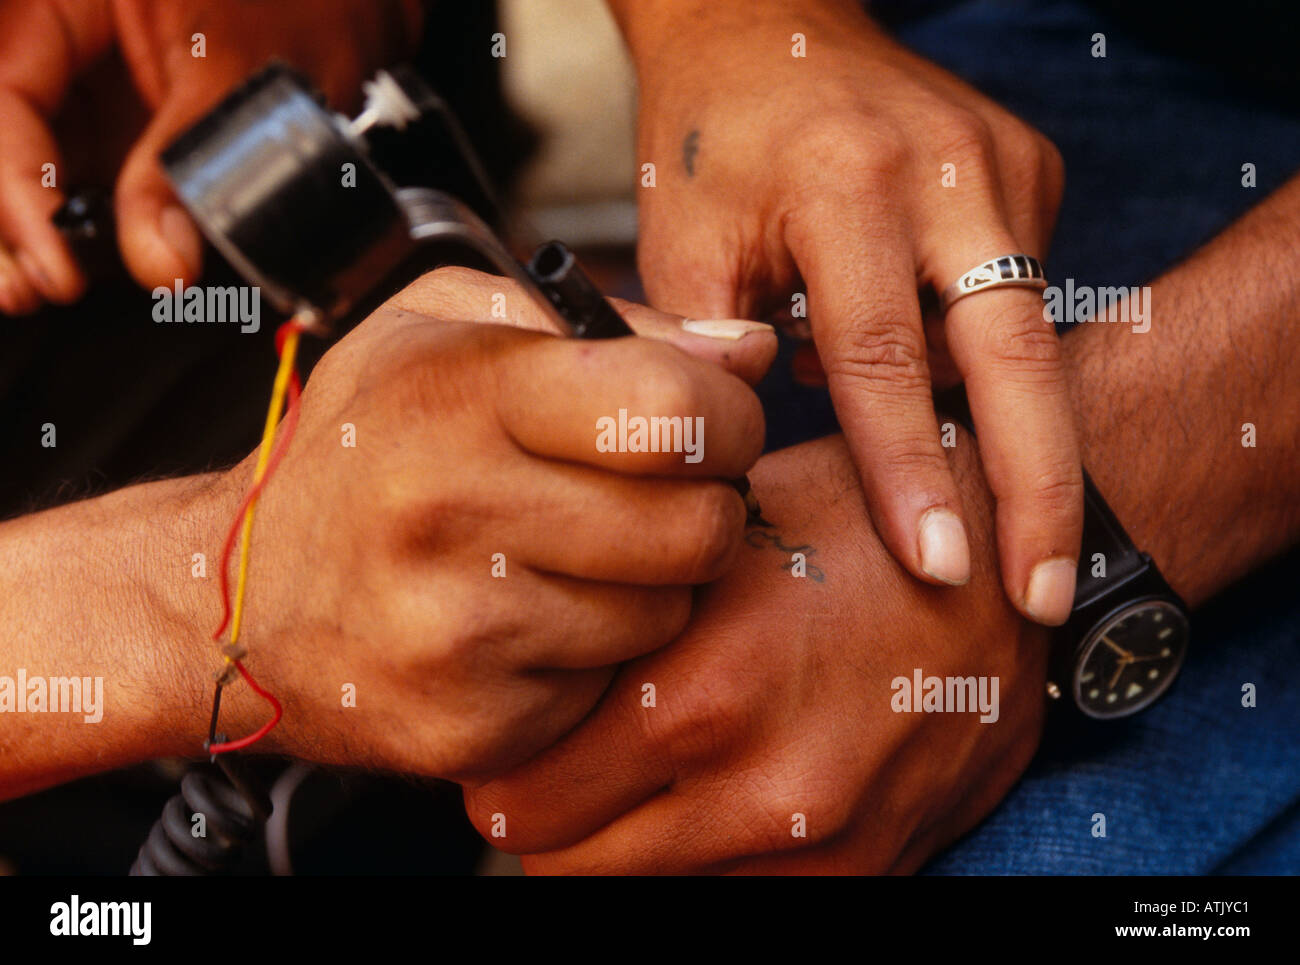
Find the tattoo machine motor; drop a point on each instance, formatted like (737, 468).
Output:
(293, 198)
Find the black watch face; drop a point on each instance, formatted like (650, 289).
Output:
(1130, 659)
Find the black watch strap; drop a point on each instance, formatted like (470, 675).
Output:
(1102, 535)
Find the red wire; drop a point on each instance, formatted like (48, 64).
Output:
(262, 731)
(287, 427)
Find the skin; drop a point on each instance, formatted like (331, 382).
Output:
(115, 81)
(372, 565)
(825, 168)
(777, 698)
(824, 174)
(72, 599)
(768, 705)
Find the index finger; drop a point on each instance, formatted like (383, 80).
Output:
(866, 321)
(742, 347)
(631, 405)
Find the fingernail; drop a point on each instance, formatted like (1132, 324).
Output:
(1050, 596)
(176, 229)
(945, 552)
(728, 328)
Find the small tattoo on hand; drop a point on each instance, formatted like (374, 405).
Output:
(690, 147)
(764, 539)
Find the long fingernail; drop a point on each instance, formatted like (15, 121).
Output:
(176, 229)
(731, 329)
(945, 551)
(1050, 596)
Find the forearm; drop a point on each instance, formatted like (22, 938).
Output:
(1161, 412)
(104, 590)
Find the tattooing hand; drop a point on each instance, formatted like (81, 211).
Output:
(444, 535)
(798, 148)
(477, 564)
(109, 83)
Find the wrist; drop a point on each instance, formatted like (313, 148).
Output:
(1162, 437)
(104, 591)
(168, 537)
(182, 600)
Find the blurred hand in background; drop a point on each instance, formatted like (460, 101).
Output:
(107, 84)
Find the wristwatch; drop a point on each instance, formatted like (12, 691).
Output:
(1127, 634)
(1126, 637)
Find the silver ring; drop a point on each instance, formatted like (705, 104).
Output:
(1020, 271)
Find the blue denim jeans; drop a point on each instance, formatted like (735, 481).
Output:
(1154, 148)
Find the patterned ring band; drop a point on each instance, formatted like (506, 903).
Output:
(1018, 270)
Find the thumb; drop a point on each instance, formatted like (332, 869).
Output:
(158, 240)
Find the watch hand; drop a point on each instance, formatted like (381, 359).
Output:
(1124, 654)
(1124, 661)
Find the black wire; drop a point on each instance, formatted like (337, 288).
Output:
(231, 798)
(216, 712)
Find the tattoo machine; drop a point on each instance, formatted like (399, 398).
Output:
(290, 194)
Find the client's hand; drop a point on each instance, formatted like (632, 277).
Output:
(770, 737)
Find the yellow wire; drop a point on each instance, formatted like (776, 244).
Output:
(290, 350)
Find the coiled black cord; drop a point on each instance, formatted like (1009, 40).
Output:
(229, 825)
(234, 810)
